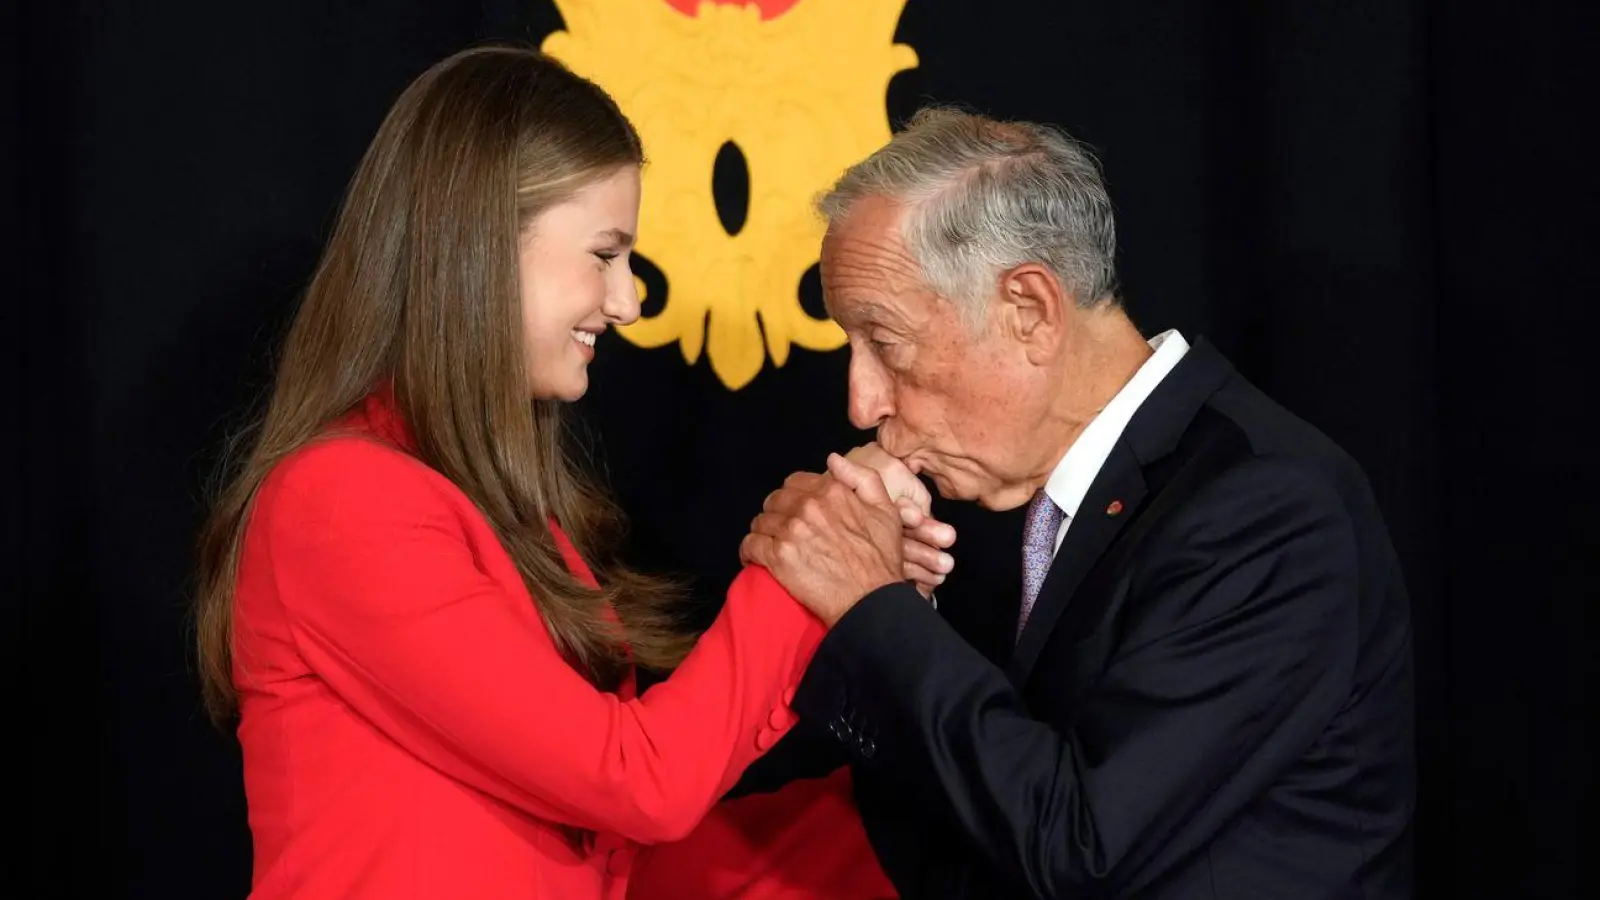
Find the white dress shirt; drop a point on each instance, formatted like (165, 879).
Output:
(1070, 480)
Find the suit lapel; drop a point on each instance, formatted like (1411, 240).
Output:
(1152, 434)
(1093, 529)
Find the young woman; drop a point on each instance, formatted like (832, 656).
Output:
(434, 691)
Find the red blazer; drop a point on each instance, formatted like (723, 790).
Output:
(804, 842)
(409, 729)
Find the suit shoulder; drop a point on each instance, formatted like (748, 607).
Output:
(1275, 434)
(342, 476)
(1251, 489)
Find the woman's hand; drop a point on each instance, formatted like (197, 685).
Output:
(924, 538)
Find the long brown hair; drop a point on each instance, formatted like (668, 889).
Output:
(418, 289)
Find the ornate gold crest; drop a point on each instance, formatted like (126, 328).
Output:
(801, 93)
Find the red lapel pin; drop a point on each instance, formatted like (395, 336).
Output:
(1114, 508)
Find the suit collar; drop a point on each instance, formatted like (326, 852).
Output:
(1074, 475)
(1155, 429)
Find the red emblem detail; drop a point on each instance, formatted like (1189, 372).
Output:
(770, 9)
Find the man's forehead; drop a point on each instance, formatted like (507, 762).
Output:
(867, 274)
(851, 310)
(904, 307)
(871, 230)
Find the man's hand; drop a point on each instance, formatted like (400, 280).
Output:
(829, 540)
(925, 538)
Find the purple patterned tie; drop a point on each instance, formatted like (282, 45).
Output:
(1038, 547)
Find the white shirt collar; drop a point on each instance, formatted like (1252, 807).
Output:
(1070, 481)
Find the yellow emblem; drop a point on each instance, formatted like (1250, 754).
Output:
(801, 93)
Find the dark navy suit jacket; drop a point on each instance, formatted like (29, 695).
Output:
(1212, 697)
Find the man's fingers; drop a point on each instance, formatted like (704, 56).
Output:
(784, 500)
(780, 526)
(931, 531)
(931, 558)
(803, 480)
(926, 581)
(757, 549)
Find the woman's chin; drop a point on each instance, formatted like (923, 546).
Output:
(569, 390)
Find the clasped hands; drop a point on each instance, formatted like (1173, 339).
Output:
(831, 539)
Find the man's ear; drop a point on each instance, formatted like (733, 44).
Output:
(1032, 308)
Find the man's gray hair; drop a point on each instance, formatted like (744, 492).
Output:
(983, 196)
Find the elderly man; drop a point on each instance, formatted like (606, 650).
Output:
(1211, 688)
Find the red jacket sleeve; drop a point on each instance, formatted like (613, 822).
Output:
(383, 590)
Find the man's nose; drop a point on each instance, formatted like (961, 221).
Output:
(870, 402)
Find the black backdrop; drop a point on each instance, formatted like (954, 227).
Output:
(1380, 211)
